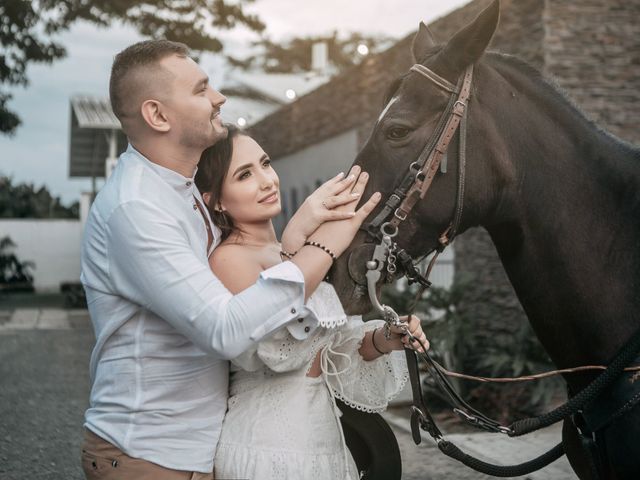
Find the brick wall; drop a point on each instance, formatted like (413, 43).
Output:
(592, 50)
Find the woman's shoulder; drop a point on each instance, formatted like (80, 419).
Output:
(235, 265)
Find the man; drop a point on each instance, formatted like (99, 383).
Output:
(165, 325)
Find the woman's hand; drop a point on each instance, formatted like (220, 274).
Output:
(414, 326)
(320, 207)
(400, 340)
(375, 344)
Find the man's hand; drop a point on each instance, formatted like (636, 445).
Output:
(320, 207)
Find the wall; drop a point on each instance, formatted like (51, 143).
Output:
(592, 50)
(53, 245)
(306, 169)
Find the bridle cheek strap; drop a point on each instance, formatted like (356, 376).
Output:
(424, 177)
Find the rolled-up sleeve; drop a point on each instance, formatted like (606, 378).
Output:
(152, 263)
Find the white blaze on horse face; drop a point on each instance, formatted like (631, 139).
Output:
(386, 109)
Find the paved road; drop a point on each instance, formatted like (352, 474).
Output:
(44, 385)
(44, 378)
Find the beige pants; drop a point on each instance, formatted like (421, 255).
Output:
(102, 461)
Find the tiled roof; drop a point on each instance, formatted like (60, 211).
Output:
(354, 98)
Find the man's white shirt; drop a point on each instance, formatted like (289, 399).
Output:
(165, 325)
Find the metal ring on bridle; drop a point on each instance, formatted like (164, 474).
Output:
(383, 229)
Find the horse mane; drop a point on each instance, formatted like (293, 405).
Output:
(558, 96)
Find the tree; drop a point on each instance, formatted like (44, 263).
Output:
(454, 340)
(294, 55)
(27, 29)
(15, 275)
(25, 201)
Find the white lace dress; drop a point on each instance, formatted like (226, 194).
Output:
(283, 425)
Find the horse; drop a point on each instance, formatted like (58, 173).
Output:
(559, 197)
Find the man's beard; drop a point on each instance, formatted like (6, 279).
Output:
(201, 135)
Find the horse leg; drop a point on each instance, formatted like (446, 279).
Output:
(579, 457)
(622, 442)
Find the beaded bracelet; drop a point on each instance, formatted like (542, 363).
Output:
(287, 255)
(373, 342)
(321, 247)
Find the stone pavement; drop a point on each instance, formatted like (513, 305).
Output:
(44, 388)
(41, 319)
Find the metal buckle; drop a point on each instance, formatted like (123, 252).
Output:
(462, 106)
(398, 215)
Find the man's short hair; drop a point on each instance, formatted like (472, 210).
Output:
(126, 84)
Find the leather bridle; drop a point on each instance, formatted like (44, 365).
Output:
(418, 179)
(414, 186)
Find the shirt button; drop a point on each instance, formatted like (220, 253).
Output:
(293, 310)
(306, 329)
(195, 207)
(188, 184)
(300, 320)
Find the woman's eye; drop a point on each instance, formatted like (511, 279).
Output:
(397, 133)
(266, 163)
(244, 175)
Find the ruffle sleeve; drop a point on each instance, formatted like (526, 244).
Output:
(281, 352)
(364, 385)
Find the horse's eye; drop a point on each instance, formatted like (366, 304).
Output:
(397, 133)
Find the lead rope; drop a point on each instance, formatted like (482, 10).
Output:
(421, 419)
(420, 415)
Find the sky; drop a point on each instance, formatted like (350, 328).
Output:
(39, 152)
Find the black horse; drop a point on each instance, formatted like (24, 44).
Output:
(559, 197)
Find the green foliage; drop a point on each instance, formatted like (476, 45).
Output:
(294, 55)
(454, 338)
(26, 28)
(14, 274)
(25, 201)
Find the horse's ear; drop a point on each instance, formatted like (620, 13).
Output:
(422, 43)
(468, 45)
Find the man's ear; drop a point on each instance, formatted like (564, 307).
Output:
(153, 114)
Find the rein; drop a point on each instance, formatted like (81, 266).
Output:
(386, 255)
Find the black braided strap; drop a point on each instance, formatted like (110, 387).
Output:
(450, 450)
(577, 402)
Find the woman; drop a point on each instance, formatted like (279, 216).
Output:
(282, 420)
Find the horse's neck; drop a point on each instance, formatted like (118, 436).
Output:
(566, 228)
